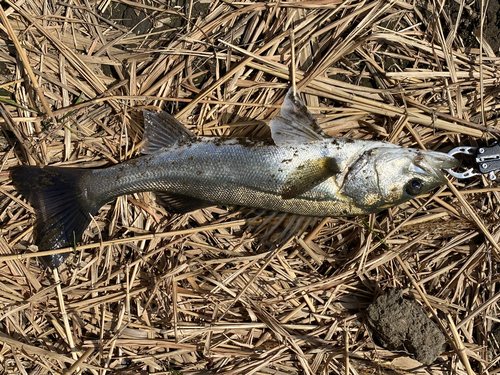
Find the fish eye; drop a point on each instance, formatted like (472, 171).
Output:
(414, 187)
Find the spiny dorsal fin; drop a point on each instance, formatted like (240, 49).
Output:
(295, 125)
(162, 130)
(308, 175)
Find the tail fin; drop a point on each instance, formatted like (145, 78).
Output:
(63, 208)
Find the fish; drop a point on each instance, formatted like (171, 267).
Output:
(299, 170)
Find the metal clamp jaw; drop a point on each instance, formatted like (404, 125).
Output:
(486, 160)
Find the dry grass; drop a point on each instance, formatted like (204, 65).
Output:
(193, 294)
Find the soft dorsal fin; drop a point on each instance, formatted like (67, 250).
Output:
(162, 130)
(308, 175)
(296, 124)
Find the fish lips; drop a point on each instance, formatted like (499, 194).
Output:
(432, 163)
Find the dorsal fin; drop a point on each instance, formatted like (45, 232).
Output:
(162, 130)
(296, 124)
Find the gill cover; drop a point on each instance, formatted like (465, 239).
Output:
(386, 176)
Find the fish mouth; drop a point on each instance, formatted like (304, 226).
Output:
(441, 160)
(433, 162)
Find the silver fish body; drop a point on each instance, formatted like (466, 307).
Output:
(301, 171)
(253, 174)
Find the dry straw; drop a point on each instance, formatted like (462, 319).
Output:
(206, 292)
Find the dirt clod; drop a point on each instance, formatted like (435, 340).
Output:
(402, 324)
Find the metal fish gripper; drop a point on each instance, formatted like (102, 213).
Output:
(486, 160)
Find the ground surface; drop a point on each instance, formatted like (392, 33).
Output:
(403, 325)
(153, 292)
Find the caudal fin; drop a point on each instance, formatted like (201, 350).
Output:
(63, 207)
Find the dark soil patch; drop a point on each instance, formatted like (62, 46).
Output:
(402, 324)
(471, 20)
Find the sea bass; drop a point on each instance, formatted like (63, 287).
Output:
(300, 170)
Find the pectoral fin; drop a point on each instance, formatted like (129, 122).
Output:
(308, 175)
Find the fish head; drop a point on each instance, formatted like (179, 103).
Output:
(389, 175)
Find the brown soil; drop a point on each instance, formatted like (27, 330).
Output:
(403, 325)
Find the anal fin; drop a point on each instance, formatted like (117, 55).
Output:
(180, 204)
(308, 175)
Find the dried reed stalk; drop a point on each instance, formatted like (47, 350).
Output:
(147, 291)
